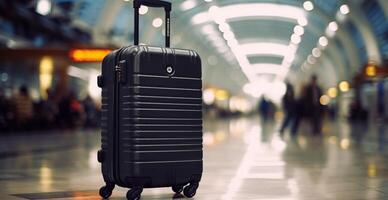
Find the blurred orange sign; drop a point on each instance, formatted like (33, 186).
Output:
(374, 71)
(88, 55)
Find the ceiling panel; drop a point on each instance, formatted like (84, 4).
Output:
(262, 30)
(273, 59)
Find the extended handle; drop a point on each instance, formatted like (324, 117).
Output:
(152, 3)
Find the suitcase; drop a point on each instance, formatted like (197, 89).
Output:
(151, 123)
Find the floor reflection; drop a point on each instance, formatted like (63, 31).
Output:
(244, 158)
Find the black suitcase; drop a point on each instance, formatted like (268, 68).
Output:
(151, 116)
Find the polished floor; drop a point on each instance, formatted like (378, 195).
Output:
(244, 158)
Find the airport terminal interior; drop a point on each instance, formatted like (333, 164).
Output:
(294, 95)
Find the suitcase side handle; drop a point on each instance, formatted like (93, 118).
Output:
(152, 3)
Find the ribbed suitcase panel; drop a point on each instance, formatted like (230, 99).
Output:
(167, 129)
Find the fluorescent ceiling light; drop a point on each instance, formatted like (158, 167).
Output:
(157, 22)
(43, 7)
(344, 9)
(200, 18)
(229, 35)
(302, 21)
(299, 30)
(311, 59)
(224, 27)
(316, 52)
(143, 10)
(333, 26)
(253, 10)
(188, 4)
(323, 41)
(295, 39)
(308, 5)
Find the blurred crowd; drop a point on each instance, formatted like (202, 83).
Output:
(306, 106)
(20, 113)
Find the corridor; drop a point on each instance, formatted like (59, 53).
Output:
(244, 158)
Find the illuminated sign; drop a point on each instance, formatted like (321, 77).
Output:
(372, 70)
(88, 55)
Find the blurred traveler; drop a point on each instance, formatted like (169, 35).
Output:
(23, 108)
(299, 111)
(289, 103)
(76, 111)
(49, 109)
(313, 109)
(264, 108)
(64, 113)
(91, 112)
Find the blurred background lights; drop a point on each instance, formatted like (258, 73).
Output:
(295, 39)
(188, 4)
(93, 89)
(324, 100)
(311, 59)
(302, 21)
(221, 95)
(46, 68)
(4, 77)
(344, 9)
(299, 30)
(43, 7)
(345, 143)
(371, 70)
(208, 139)
(323, 41)
(143, 10)
(332, 92)
(224, 27)
(372, 170)
(316, 52)
(333, 26)
(209, 96)
(308, 5)
(157, 22)
(344, 86)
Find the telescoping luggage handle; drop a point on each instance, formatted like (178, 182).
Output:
(152, 3)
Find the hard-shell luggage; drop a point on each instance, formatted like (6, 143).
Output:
(151, 116)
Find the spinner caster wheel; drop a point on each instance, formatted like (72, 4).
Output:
(134, 193)
(190, 190)
(177, 189)
(106, 191)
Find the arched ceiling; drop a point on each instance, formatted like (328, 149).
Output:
(284, 36)
(258, 40)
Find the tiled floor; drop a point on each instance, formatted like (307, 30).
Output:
(243, 159)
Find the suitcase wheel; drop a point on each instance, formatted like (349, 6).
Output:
(190, 190)
(177, 189)
(99, 81)
(106, 191)
(134, 193)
